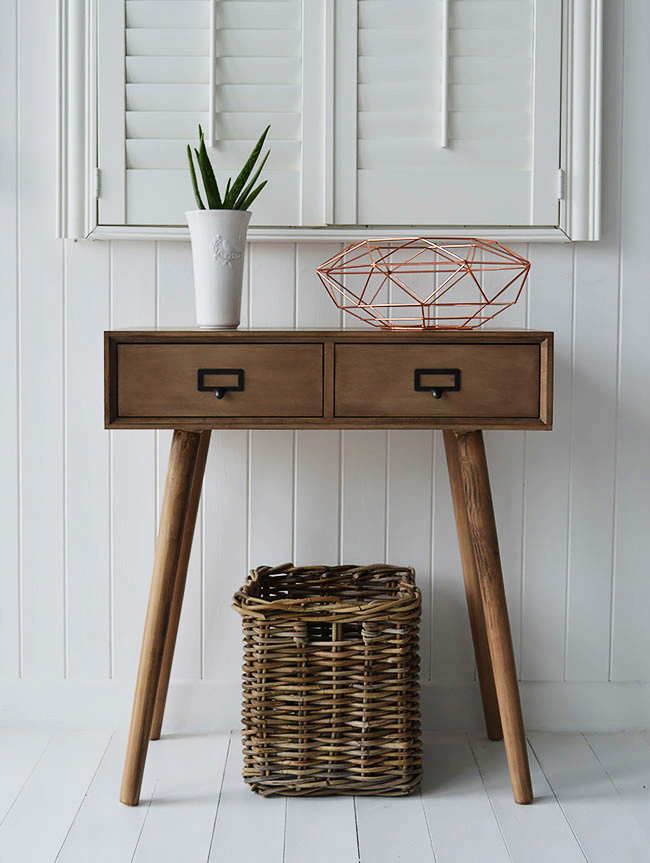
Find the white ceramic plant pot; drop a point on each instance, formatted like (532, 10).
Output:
(218, 244)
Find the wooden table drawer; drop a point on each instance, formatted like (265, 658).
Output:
(162, 380)
(495, 380)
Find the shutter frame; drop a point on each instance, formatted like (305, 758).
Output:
(580, 212)
(76, 138)
(77, 55)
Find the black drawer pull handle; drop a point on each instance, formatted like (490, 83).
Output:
(436, 391)
(219, 390)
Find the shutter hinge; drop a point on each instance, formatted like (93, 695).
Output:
(98, 184)
(561, 184)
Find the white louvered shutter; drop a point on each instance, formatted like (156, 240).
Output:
(154, 91)
(500, 165)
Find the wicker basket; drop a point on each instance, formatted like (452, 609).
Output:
(331, 680)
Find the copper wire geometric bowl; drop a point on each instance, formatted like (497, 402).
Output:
(425, 282)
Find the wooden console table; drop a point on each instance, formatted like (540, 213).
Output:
(462, 382)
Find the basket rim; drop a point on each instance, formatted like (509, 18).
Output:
(256, 607)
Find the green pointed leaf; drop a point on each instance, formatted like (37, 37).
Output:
(195, 186)
(244, 195)
(245, 172)
(253, 195)
(226, 205)
(209, 180)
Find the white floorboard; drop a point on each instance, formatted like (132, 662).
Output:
(321, 830)
(248, 827)
(392, 829)
(19, 754)
(184, 804)
(59, 804)
(36, 825)
(604, 827)
(626, 758)
(538, 833)
(102, 830)
(454, 796)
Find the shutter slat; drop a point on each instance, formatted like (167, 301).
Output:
(180, 15)
(397, 14)
(489, 43)
(174, 125)
(405, 42)
(412, 70)
(398, 68)
(496, 14)
(183, 14)
(403, 98)
(502, 152)
(462, 43)
(381, 127)
(263, 99)
(230, 70)
(492, 15)
(195, 43)
(489, 70)
(229, 155)
(398, 97)
(167, 43)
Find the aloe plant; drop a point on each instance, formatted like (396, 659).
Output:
(241, 193)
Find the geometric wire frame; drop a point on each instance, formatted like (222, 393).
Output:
(425, 282)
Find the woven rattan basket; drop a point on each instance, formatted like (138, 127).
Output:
(331, 680)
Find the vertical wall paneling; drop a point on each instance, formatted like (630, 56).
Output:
(272, 453)
(631, 636)
(41, 350)
(271, 497)
(133, 303)
(410, 473)
(548, 469)
(452, 654)
(9, 428)
(363, 497)
(87, 462)
(272, 274)
(316, 529)
(225, 538)
(225, 546)
(594, 387)
(246, 288)
(175, 307)
(314, 306)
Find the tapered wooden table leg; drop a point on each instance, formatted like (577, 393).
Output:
(182, 460)
(480, 517)
(473, 593)
(179, 585)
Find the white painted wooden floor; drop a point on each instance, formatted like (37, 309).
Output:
(58, 802)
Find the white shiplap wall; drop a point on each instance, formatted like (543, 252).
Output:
(78, 505)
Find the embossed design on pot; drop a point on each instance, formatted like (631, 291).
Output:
(225, 251)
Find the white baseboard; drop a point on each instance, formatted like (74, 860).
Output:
(195, 705)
